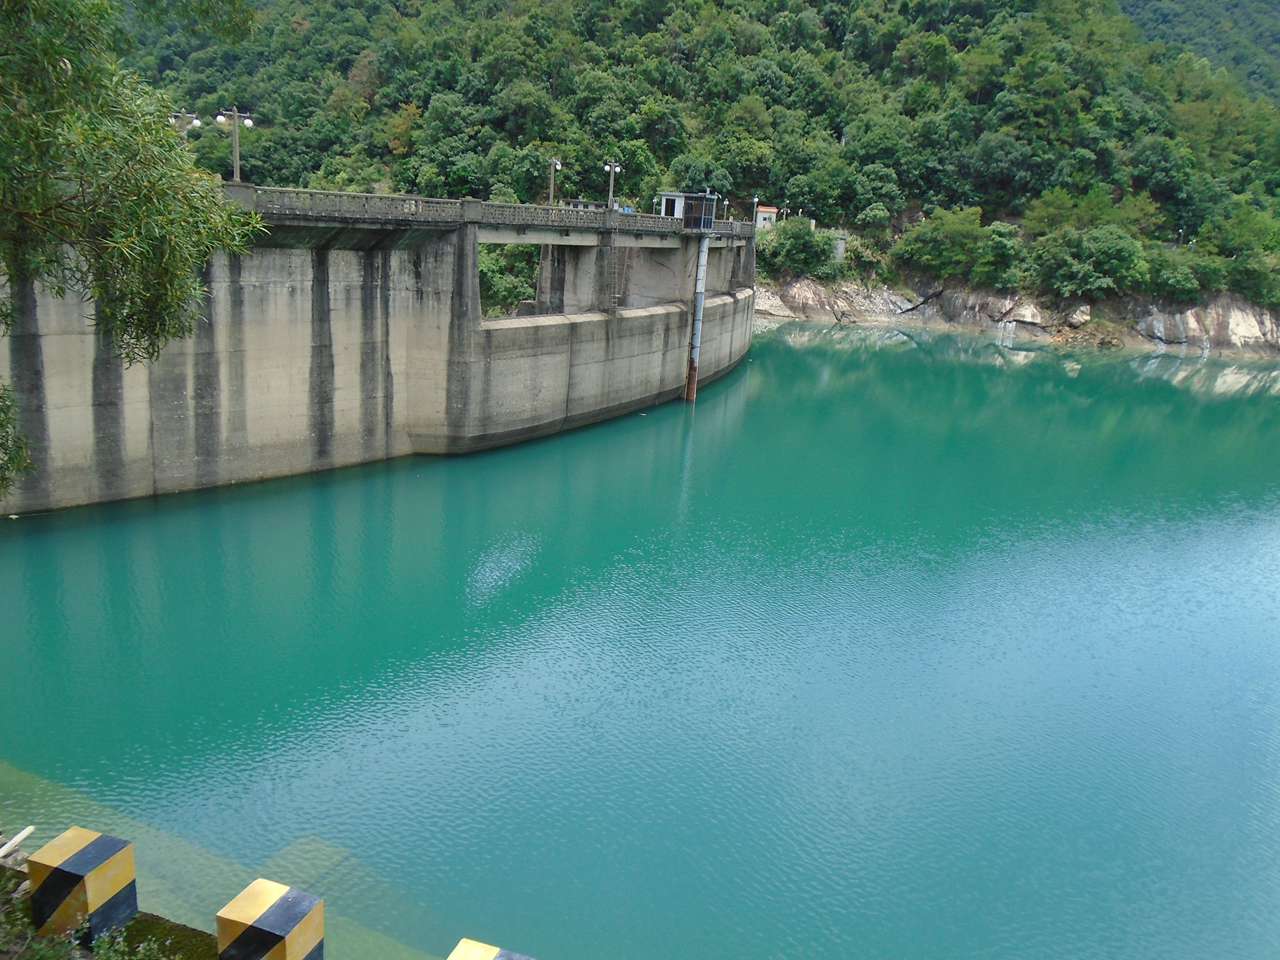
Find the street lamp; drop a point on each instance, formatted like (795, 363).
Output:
(234, 118)
(611, 168)
(755, 209)
(551, 189)
(182, 122)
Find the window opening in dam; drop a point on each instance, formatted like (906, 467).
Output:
(508, 278)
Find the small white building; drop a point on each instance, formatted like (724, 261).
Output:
(671, 205)
(766, 217)
(696, 210)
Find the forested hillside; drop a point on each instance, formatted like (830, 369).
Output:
(1074, 158)
(1243, 35)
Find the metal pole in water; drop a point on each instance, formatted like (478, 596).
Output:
(695, 343)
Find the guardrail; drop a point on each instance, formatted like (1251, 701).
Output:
(531, 215)
(408, 210)
(357, 206)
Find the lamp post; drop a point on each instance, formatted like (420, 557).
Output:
(182, 122)
(755, 209)
(551, 187)
(611, 168)
(235, 118)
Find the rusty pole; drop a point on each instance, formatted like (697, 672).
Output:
(695, 342)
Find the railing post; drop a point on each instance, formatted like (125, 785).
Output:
(82, 881)
(242, 194)
(271, 919)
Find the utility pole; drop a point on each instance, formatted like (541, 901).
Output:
(235, 118)
(611, 168)
(551, 187)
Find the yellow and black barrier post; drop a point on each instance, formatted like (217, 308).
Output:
(82, 879)
(475, 950)
(268, 919)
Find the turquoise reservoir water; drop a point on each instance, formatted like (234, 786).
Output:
(886, 650)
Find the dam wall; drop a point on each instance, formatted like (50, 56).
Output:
(336, 343)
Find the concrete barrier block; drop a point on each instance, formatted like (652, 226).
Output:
(475, 950)
(269, 920)
(83, 879)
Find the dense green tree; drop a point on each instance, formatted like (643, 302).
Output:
(1046, 115)
(1089, 263)
(1001, 258)
(794, 249)
(946, 245)
(1239, 34)
(1172, 272)
(505, 271)
(98, 192)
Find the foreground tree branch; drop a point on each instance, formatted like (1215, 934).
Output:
(98, 193)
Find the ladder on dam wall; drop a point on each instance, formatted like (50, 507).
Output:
(617, 277)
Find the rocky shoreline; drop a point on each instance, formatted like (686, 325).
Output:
(1224, 325)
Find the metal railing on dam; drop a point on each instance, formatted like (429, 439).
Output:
(412, 211)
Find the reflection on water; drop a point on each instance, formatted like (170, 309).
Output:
(499, 566)
(897, 645)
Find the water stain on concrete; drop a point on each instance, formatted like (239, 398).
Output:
(320, 391)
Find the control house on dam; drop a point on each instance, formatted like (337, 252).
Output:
(353, 331)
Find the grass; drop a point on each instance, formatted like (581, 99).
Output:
(147, 937)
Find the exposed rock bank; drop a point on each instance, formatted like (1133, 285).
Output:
(1225, 324)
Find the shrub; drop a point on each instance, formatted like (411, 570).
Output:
(945, 245)
(14, 457)
(1089, 263)
(1255, 275)
(508, 275)
(864, 258)
(1211, 270)
(19, 942)
(795, 249)
(874, 217)
(1172, 272)
(953, 244)
(1001, 258)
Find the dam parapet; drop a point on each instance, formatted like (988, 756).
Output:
(354, 331)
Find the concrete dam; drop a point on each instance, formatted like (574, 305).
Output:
(353, 331)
